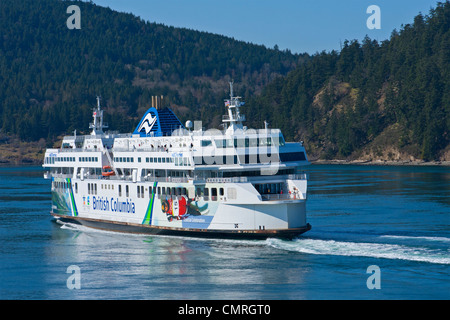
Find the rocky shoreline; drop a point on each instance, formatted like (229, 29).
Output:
(382, 162)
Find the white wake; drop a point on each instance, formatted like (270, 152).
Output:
(363, 249)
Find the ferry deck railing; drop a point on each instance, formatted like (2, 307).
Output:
(301, 176)
(284, 196)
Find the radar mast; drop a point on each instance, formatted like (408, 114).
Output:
(97, 125)
(234, 117)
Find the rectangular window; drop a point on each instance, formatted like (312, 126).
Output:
(293, 156)
(206, 143)
(214, 194)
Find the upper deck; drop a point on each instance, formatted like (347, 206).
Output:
(161, 147)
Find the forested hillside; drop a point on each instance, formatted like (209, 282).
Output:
(371, 100)
(388, 100)
(50, 75)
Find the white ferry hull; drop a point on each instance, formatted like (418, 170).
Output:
(166, 179)
(154, 213)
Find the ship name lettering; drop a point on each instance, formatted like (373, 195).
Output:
(114, 205)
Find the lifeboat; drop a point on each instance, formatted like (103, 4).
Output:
(107, 171)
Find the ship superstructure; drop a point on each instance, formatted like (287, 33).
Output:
(166, 178)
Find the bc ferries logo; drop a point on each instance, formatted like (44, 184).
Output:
(147, 123)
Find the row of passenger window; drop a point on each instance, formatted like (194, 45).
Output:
(60, 185)
(52, 160)
(87, 159)
(65, 159)
(246, 142)
(178, 161)
(218, 159)
(249, 158)
(159, 191)
(170, 191)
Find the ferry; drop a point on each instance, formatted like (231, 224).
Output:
(167, 178)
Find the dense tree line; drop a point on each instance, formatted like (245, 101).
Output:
(50, 75)
(342, 101)
(339, 102)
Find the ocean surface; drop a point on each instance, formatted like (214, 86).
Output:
(378, 232)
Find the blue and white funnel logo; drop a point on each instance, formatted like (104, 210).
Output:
(147, 123)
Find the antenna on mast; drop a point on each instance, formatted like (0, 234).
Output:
(97, 126)
(98, 102)
(234, 117)
(231, 89)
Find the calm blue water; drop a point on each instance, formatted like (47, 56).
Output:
(397, 218)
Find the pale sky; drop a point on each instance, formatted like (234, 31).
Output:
(298, 25)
